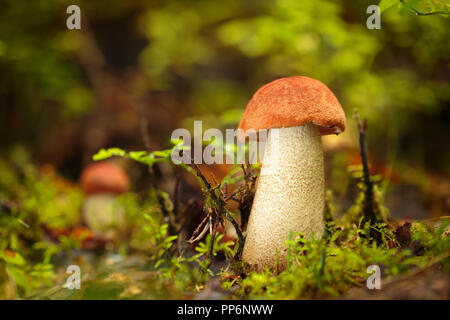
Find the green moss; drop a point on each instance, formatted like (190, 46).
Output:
(149, 265)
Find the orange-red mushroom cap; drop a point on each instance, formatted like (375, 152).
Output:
(292, 102)
(104, 177)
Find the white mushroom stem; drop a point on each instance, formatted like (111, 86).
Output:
(104, 215)
(290, 195)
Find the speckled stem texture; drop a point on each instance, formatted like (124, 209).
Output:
(290, 195)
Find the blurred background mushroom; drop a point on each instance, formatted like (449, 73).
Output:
(102, 182)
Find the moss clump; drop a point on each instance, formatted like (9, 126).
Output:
(149, 263)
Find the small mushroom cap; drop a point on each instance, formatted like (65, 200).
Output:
(292, 102)
(104, 177)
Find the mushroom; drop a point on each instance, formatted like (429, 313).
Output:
(102, 182)
(290, 193)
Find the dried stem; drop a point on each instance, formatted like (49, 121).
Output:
(173, 226)
(370, 208)
(176, 196)
(200, 231)
(219, 212)
(246, 200)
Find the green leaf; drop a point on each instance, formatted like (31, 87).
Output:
(12, 258)
(176, 141)
(386, 4)
(108, 153)
(18, 276)
(427, 7)
(163, 154)
(172, 238)
(136, 155)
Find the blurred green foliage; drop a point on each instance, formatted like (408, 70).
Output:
(41, 233)
(211, 56)
(203, 60)
(37, 244)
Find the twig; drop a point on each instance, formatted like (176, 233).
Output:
(173, 226)
(239, 234)
(213, 231)
(246, 200)
(368, 207)
(176, 197)
(198, 235)
(220, 212)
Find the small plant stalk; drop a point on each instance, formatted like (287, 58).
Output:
(370, 211)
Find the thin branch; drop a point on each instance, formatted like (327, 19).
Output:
(213, 231)
(173, 226)
(368, 207)
(176, 196)
(240, 236)
(222, 211)
(197, 234)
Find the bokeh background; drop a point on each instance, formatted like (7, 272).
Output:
(65, 94)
